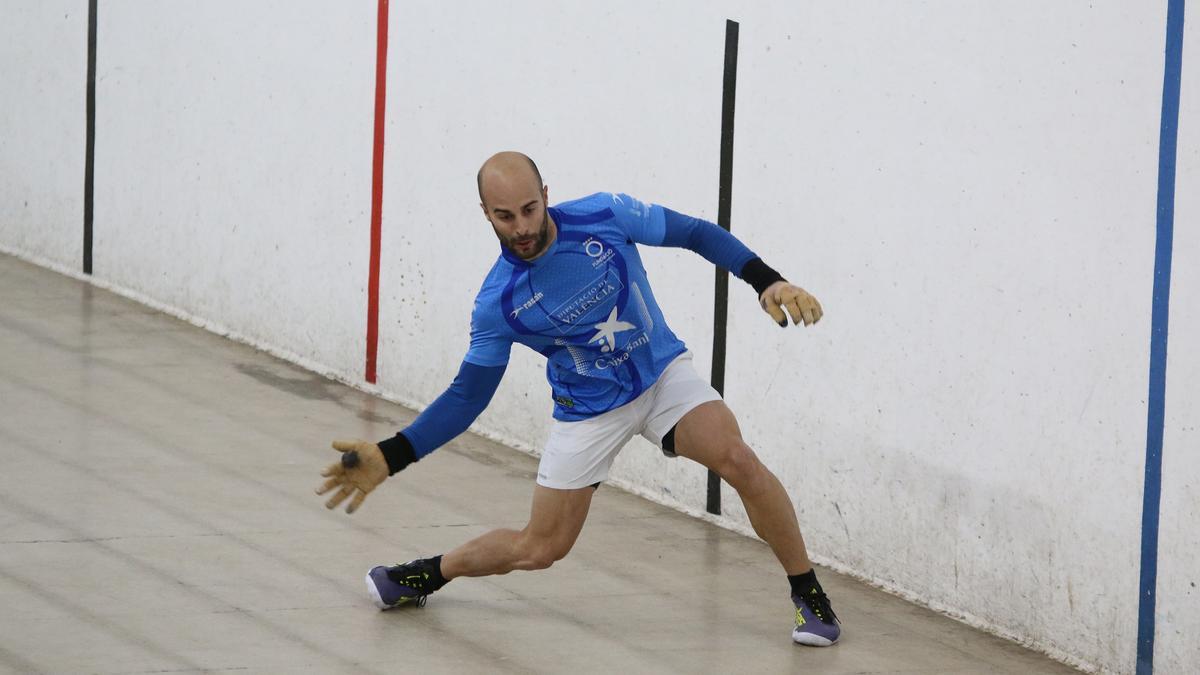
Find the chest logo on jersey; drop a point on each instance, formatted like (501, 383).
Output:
(528, 304)
(584, 300)
(606, 331)
(597, 251)
(606, 336)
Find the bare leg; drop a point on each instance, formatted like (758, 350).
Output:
(709, 434)
(555, 520)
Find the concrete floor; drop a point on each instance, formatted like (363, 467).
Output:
(157, 515)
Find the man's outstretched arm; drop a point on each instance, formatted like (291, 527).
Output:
(448, 416)
(721, 248)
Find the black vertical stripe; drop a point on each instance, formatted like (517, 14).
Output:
(90, 153)
(724, 205)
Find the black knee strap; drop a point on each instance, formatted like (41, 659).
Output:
(668, 443)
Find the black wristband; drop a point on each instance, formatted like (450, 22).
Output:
(398, 452)
(759, 275)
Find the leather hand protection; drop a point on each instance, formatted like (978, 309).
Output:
(798, 302)
(361, 469)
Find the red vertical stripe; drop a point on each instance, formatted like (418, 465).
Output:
(377, 190)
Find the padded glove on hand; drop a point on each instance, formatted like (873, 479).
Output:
(359, 471)
(797, 301)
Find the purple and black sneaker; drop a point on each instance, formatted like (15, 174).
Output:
(816, 624)
(401, 584)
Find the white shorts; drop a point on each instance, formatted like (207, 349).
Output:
(579, 454)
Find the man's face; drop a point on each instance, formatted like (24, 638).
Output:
(518, 215)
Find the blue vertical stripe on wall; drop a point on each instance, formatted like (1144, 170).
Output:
(1156, 402)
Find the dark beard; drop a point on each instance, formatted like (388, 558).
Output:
(540, 241)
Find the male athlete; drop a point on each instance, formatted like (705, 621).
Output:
(569, 284)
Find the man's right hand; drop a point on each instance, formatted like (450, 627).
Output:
(356, 478)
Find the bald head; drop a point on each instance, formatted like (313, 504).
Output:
(513, 200)
(505, 173)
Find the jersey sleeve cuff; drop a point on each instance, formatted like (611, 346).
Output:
(399, 453)
(759, 275)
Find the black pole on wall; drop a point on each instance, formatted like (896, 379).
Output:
(724, 203)
(89, 162)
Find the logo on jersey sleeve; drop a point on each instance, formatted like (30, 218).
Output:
(635, 207)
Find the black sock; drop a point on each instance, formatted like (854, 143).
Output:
(436, 580)
(803, 584)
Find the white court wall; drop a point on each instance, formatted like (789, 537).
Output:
(43, 84)
(234, 167)
(974, 189)
(968, 188)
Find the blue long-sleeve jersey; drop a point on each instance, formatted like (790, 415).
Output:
(585, 304)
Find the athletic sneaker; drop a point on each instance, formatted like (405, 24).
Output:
(816, 624)
(400, 584)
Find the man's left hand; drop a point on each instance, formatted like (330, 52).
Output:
(798, 302)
